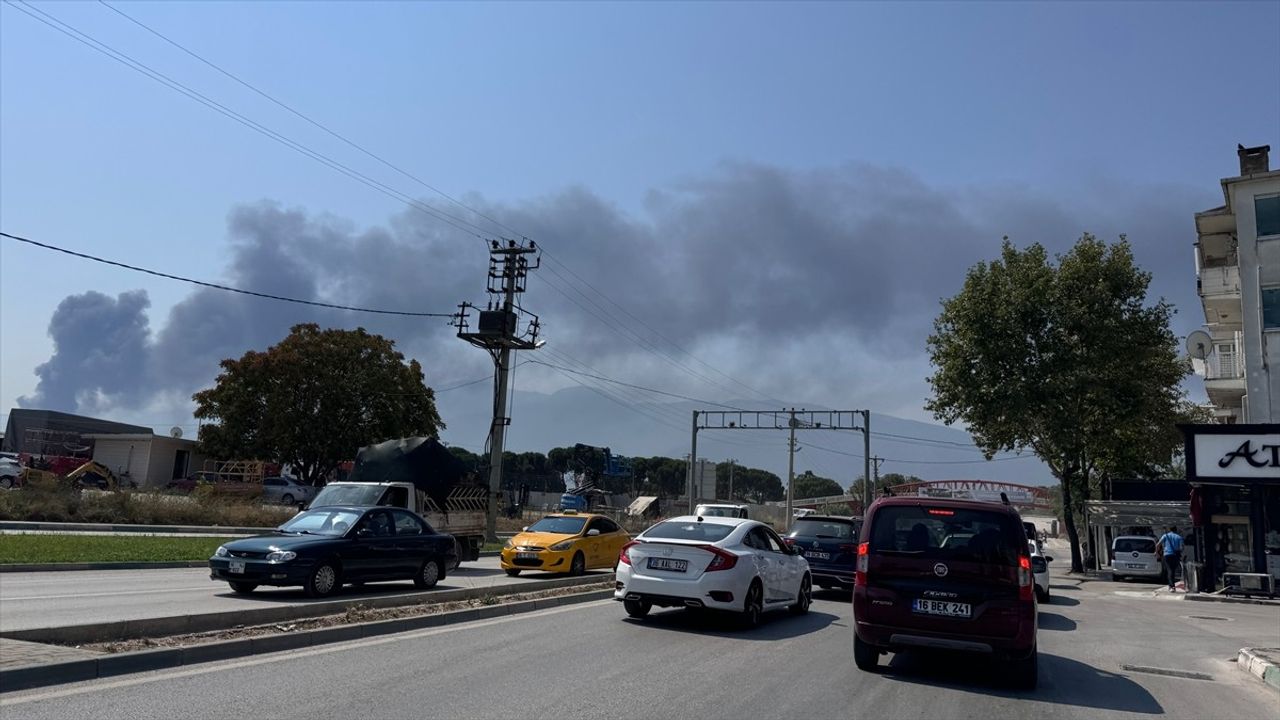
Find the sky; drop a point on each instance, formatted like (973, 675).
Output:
(738, 202)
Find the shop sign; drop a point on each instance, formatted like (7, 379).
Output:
(1238, 455)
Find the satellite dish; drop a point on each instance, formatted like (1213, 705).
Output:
(1198, 344)
(175, 432)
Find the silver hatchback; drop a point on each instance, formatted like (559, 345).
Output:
(286, 490)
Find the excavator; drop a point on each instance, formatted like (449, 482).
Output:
(92, 474)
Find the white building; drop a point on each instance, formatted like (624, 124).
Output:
(152, 461)
(1238, 277)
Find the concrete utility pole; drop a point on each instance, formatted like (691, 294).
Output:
(731, 463)
(693, 459)
(875, 467)
(496, 332)
(791, 466)
(866, 459)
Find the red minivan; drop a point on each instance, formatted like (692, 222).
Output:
(948, 575)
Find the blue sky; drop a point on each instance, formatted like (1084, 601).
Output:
(1104, 117)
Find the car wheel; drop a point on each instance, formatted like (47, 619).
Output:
(287, 499)
(1042, 595)
(753, 605)
(428, 575)
(865, 656)
(804, 598)
(242, 588)
(636, 608)
(323, 581)
(1026, 671)
(579, 564)
(513, 572)
(6, 482)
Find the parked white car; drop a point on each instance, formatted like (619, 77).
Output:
(1040, 571)
(10, 470)
(718, 563)
(1134, 556)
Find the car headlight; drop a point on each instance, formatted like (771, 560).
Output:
(221, 551)
(280, 556)
(511, 542)
(562, 546)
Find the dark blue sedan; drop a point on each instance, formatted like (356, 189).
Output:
(324, 548)
(830, 544)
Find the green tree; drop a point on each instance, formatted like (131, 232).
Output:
(1067, 359)
(313, 399)
(882, 484)
(809, 485)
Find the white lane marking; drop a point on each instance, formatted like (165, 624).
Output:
(294, 654)
(7, 598)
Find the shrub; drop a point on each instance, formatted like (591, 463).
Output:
(49, 502)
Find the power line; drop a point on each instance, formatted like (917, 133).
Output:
(216, 286)
(637, 387)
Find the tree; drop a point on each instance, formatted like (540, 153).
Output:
(314, 399)
(882, 484)
(1069, 360)
(809, 485)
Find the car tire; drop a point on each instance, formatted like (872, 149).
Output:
(1025, 671)
(1042, 595)
(428, 575)
(6, 482)
(865, 656)
(578, 566)
(324, 580)
(242, 588)
(513, 572)
(287, 499)
(636, 608)
(805, 597)
(753, 605)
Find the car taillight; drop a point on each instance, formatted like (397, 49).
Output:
(864, 562)
(622, 555)
(1024, 578)
(723, 559)
(789, 540)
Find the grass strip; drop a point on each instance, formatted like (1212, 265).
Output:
(31, 548)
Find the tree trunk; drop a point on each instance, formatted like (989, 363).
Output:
(1069, 519)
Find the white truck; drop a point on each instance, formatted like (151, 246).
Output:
(421, 475)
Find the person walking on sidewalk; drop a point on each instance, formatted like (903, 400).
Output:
(1169, 546)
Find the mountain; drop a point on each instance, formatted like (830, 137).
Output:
(581, 415)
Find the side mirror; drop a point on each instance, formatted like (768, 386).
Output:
(1048, 558)
(593, 532)
(364, 532)
(525, 528)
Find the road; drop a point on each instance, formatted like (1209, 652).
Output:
(53, 599)
(587, 661)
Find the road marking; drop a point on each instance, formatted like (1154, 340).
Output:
(284, 655)
(1166, 671)
(6, 598)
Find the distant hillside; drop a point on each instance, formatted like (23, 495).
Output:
(580, 415)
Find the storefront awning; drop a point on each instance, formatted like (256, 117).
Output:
(1136, 513)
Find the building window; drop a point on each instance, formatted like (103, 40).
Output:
(1271, 308)
(1266, 210)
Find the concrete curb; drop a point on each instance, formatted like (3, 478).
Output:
(33, 676)
(145, 529)
(208, 622)
(1203, 597)
(54, 567)
(1251, 661)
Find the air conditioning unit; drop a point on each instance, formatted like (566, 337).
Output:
(1239, 583)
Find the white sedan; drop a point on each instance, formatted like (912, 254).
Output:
(718, 563)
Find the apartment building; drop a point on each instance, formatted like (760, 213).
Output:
(1238, 277)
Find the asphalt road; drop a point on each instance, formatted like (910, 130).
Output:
(587, 661)
(54, 599)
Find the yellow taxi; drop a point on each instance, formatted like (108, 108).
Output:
(565, 542)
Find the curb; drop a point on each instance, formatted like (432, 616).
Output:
(54, 567)
(1249, 660)
(146, 529)
(1204, 597)
(33, 676)
(227, 619)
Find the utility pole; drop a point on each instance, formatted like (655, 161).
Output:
(875, 465)
(731, 463)
(496, 332)
(866, 460)
(791, 466)
(693, 458)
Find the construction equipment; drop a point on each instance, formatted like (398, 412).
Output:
(91, 474)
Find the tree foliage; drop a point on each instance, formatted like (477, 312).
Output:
(808, 485)
(314, 399)
(1067, 359)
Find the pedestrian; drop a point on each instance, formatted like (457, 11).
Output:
(1170, 547)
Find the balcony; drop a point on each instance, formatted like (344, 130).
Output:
(1219, 288)
(1223, 371)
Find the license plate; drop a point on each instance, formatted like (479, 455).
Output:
(669, 564)
(940, 607)
(1132, 566)
(818, 555)
(527, 556)
(237, 567)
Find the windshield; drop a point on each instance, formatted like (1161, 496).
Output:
(559, 525)
(1143, 545)
(707, 532)
(348, 495)
(824, 529)
(948, 534)
(321, 522)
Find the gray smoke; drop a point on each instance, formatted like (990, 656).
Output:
(820, 285)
